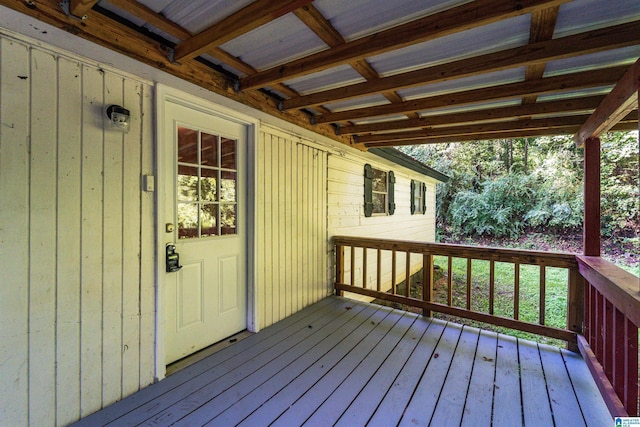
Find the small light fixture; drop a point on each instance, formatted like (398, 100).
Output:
(118, 117)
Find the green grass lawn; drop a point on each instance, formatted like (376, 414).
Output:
(556, 284)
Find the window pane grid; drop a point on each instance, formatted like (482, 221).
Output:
(206, 184)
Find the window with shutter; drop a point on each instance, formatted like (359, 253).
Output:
(418, 197)
(378, 191)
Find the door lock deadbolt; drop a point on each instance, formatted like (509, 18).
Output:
(173, 258)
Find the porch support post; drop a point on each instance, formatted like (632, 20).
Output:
(591, 229)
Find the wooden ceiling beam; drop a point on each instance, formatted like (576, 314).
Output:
(450, 21)
(119, 37)
(589, 42)
(617, 104)
(543, 24)
(313, 19)
(246, 19)
(160, 22)
(547, 85)
(479, 129)
(569, 130)
(80, 8)
(576, 105)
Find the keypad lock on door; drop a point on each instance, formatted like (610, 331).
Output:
(173, 258)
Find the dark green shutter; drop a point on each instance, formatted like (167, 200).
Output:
(424, 198)
(368, 190)
(391, 192)
(413, 199)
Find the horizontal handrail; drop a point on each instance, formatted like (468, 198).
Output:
(548, 259)
(615, 284)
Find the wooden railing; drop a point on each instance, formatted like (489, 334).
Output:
(607, 303)
(610, 341)
(387, 253)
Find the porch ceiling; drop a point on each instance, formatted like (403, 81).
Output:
(377, 73)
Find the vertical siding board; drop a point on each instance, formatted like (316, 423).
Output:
(68, 245)
(42, 233)
(260, 230)
(131, 214)
(91, 232)
(147, 248)
(282, 230)
(286, 189)
(112, 250)
(269, 228)
(14, 230)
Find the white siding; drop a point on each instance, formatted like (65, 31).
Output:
(346, 216)
(76, 238)
(291, 224)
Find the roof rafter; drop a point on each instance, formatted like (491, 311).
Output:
(585, 105)
(450, 21)
(81, 7)
(480, 129)
(543, 24)
(541, 52)
(624, 97)
(246, 19)
(547, 85)
(568, 130)
(313, 19)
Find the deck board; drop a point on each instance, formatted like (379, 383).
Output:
(477, 409)
(348, 363)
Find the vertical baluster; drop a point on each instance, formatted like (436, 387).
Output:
(427, 281)
(393, 272)
(340, 267)
(449, 281)
(599, 326)
(543, 292)
(619, 357)
(468, 283)
(379, 272)
(516, 291)
(593, 316)
(631, 377)
(408, 274)
(364, 268)
(608, 349)
(353, 266)
(577, 303)
(492, 286)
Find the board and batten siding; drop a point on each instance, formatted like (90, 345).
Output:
(346, 216)
(291, 225)
(76, 238)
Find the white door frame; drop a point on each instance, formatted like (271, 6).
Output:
(166, 94)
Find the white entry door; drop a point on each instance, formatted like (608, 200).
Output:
(206, 299)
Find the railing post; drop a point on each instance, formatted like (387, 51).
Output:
(339, 267)
(427, 282)
(575, 305)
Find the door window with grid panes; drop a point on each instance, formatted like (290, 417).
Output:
(207, 184)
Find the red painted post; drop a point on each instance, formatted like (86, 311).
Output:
(591, 229)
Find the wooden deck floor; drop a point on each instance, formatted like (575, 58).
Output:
(347, 363)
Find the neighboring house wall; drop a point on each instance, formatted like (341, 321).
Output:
(291, 225)
(346, 215)
(76, 238)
